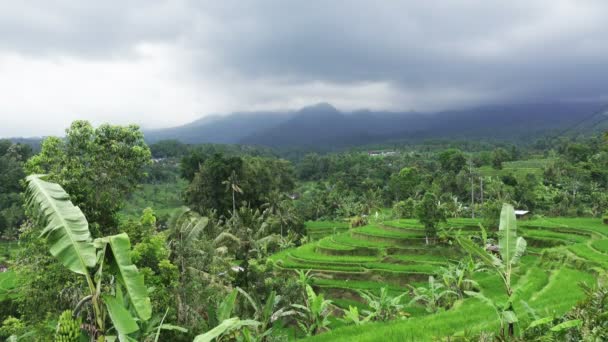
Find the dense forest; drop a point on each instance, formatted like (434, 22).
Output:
(104, 237)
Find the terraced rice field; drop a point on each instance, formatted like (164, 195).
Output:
(318, 229)
(393, 254)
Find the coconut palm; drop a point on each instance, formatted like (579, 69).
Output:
(273, 202)
(232, 184)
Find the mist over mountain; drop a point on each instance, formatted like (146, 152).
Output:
(323, 125)
(228, 129)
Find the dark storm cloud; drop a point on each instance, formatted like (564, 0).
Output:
(139, 60)
(515, 49)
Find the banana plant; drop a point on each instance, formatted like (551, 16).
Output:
(267, 313)
(511, 249)
(382, 307)
(432, 296)
(313, 317)
(226, 324)
(66, 231)
(352, 316)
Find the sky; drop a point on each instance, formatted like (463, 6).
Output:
(166, 63)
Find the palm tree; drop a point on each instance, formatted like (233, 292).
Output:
(232, 184)
(273, 202)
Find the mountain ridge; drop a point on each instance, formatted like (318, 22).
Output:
(324, 125)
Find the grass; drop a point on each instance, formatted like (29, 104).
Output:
(557, 296)
(373, 230)
(346, 259)
(8, 250)
(8, 282)
(600, 246)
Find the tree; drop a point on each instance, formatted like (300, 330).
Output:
(99, 168)
(405, 183)
(12, 158)
(207, 190)
(232, 185)
(452, 160)
(430, 214)
(511, 249)
(168, 149)
(499, 156)
(404, 209)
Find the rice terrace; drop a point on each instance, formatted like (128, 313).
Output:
(562, 252)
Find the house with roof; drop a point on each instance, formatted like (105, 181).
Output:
(522, 214)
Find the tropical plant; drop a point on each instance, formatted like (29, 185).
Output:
(232, 184)
(267, 313)
(383, 307)
(313, 316)
(432, 297)
(352, 316)
(67, 233)
(430, 213)
(511, 249)
(226, 325)
(587, 321)
(456, 277)
(68, 328)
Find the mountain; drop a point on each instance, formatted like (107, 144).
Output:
(322, 125)
(228, 129)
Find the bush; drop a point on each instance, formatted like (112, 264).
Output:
(404, 209)
(358, 221)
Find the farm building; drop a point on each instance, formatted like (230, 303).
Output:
(381, 153)
(522, 214)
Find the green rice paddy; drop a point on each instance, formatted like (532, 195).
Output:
(393, 254)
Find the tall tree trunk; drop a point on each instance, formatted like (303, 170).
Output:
(233, 204)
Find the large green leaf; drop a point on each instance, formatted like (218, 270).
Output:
(233, 323)
(226, 325)
(121, 318)
(128, 275)
(567, 325)
(520, 249)
(507, 233)
(471, 248)
(67, 230)
(225, 308)
(540, 321)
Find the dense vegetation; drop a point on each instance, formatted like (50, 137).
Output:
(103, 237)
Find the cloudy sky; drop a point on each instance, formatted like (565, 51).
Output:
(164, 63)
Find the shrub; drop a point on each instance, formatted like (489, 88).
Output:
(358, 221)
(404, 209)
